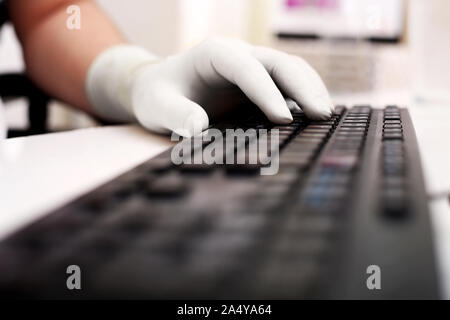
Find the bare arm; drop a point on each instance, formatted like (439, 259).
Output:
(57, 58)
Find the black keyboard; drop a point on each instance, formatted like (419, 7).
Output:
(349, 194)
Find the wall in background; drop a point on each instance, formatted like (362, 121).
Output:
(429, 27)
(153, 24)
(168, 26)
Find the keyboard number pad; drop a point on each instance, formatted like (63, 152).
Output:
(394, 188)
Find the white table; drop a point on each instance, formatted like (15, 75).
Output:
(40, 173)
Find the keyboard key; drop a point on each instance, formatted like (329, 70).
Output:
(323, 123)
(343, 161)
(392, 122)
(243, 169)
(395, 203)
(197, 168)
(300, 161)
(344, 129)
(392, 117)
(392, 126)
(353, 125)
(319, 131)
(347, 121)
(393, 136)
(314, 135)
(320, 126)
(170, 185)
(387, 130)
(394, 182)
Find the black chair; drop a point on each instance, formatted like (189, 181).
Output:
(17, 86)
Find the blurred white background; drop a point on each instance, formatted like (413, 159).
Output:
(416, 67)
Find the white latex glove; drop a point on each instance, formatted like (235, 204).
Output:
(181, 92)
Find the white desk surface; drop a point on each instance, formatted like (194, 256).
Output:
(41, 173)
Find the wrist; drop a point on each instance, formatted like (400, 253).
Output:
(110, 78)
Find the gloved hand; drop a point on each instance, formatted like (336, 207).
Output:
(180, 93)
